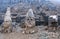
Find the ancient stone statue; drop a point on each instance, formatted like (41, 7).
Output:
(53, 22)
(29, 23)
(7, 24)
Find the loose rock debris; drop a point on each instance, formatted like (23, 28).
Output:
(41, 34)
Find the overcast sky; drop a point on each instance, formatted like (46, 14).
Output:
(57, 2)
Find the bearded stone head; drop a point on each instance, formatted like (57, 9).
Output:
(30, 19)
(53, 18)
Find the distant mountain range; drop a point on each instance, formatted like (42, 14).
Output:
(5, 3)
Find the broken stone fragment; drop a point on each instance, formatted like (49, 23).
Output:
(53, 35)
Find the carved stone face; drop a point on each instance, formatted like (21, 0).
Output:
(53, 19)
(30, 22)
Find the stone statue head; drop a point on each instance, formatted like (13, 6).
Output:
(30, 19)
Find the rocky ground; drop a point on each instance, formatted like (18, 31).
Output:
(41, 34)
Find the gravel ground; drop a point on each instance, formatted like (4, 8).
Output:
(41, 34)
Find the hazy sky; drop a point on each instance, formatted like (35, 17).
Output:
(55, 1)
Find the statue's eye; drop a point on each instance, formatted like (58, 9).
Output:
(6, 21)
(27, 19)
(31, 19)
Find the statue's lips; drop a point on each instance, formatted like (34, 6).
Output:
(29, 25)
